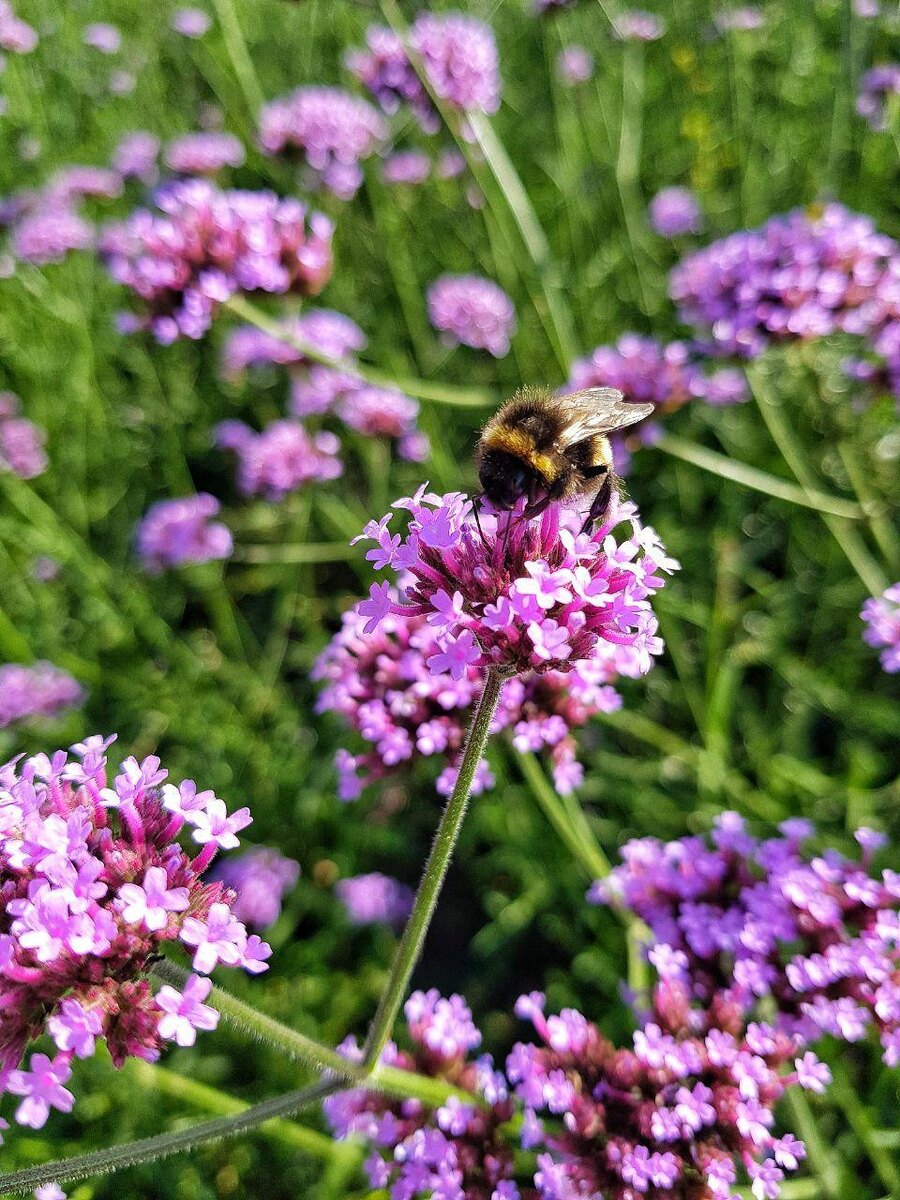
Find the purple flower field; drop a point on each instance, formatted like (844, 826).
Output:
(383, 820)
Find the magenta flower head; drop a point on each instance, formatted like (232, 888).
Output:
(191, 22)
(458, 1150)
(135, 156)
(574, 64)
(41, 690)
(406, 166)
(16, 36)
(635, 25)
(520, 595)
(473, 311)
(875, 91)
(381, 686)
(676, 1115)
(807, 274)
(373, 898)
(204, 153)
(21, 441)
(260, 878)
(753, 930)
(739, 20)
(282, 458)
(174, 533)
(459, 58)
(103, 37)
(882, 617)
(200, 246)
(94, 885)
(332, 131)
(674, 212)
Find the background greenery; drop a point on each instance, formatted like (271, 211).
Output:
(766, 700)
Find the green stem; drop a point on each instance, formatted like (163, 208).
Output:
(441, 393)
(264, 1029)
(414, 934)
(822, 1158)
(237, 50)
(130, 1154)
(845, 1094)
(846, 537)
(759, 481)
(151, 1077)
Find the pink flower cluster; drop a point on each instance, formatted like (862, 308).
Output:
(200, 246)
(16, 35)
(519, 594)
(875, 91)
(174, 533)
(674, 211)
(473, 311)
(285, 455)
(41, 690)
(381, 686)
(671, 1116)
(260, 878)
(746, 927)
(46, 224)
(280, 459)
(808, 274)
(459, 59)
(373, 898)
(636, 25)
(135, 156)
(882, 617)
(93, 886)
(21, 441)
(455, 1152)
(204, 153)
(332, 129)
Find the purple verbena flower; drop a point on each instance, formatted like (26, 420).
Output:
(674, 212)
(174, 533)
(739, 20)
(882, 617)
(203, 153)
(373, 898)
(200, 246)
(259, 877)
(635, 25)
(136, 155)
(16, 35)
(21, 441)
(332, 130)
(280, 459)
(876, 89)
(574, 64)
(93, 885)
(41, 690)
(103, 37)
(406, 166)
(191, 22)
(473, 311)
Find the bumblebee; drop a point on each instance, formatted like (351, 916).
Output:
(546, 447)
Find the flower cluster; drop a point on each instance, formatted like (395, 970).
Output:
(574, 64)
(876, 88)
(174, 533)
(381, 686)
(669, 1117)
(135, 156)
(406, 166)
(473, 311)
(882, 617)
(636, 25)
(94, 884)
(739, 20)
(16, 35)
(459, 60)
(330, 128)
(373, 898)
(456, 1151)
(317, 389)
(285, 456)
(102, 36)
(204, 153)
(519, 594)
(200, 246)
(260, 878)
(45, 225)
(41, 690)
(21, 441)
(674, 211)
(648, 371)
(191, 22)
(745, 921)
(804, 275)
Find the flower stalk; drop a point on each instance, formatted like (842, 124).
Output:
(435, 872)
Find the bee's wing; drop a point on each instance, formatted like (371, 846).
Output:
(598, 410)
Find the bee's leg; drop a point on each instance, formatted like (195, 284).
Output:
(600, 503)
(476, 509)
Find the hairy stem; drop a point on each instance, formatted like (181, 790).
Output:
(410, 947)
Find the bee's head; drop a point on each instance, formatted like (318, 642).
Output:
(504, 478)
